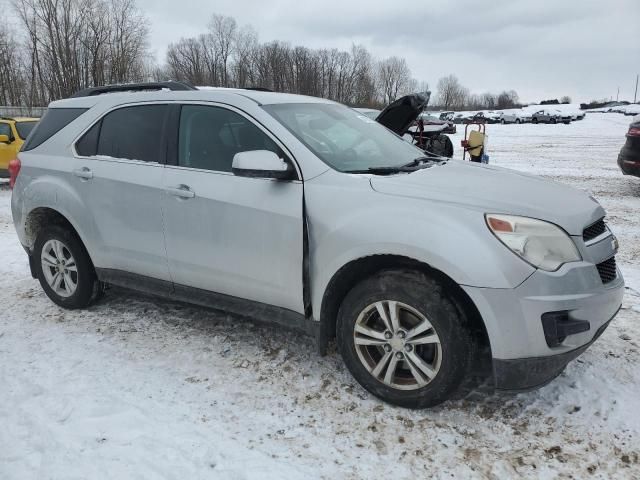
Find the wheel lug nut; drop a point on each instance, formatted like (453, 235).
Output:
(399, 355)
(402, 334)
(387, 347)
(387, 335)
(408, 348)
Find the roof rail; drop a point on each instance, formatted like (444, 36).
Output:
(258, 89)
(132, 87)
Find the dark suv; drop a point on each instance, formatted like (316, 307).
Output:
(629, 157)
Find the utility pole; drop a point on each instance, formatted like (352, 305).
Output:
(635, 95)
(618, 94)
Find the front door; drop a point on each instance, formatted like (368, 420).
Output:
(226, 234)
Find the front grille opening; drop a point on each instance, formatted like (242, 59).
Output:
(594, 230)
(607, 270)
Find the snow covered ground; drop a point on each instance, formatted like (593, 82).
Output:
(138, 387)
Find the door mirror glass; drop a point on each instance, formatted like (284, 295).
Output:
(261, 164)
(4, 139)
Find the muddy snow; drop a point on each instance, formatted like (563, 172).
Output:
(139, 387)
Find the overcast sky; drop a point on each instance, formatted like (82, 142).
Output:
(540, 48)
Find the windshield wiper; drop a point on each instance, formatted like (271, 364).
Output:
(415, 164)
(383, 170)
(424, 162)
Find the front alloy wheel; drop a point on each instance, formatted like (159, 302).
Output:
(404, 339)
(397, 345)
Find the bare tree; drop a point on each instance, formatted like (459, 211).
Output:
(451, 94)
(394, 78)
(72, 44)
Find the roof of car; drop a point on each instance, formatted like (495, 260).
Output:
(201, 93)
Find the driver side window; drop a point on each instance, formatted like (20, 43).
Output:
(209, 138)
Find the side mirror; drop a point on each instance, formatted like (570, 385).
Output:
(4, 139)
(261, 164)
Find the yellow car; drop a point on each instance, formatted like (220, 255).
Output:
(13, 133)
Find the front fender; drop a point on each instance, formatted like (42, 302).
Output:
(347, 225)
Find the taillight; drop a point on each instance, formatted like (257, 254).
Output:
(633, 132)
(14, 170)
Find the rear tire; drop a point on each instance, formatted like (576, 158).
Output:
(534, 120)
(517, 120)
(64, 268)
(426, 367)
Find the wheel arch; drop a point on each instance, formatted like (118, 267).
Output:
(356, 270)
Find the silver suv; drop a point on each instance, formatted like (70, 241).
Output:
(304, 212)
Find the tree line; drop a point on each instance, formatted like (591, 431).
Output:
(61, 46)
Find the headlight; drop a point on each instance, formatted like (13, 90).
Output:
(542, 244)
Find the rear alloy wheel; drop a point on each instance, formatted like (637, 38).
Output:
(59, 268)
(64, 268)
(403, 338)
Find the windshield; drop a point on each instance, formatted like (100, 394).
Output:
(24, 128)
(343, 138)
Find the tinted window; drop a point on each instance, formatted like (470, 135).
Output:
(133, 132)
(210, 137)
(87, 146)
(25, 128)
(54, 120)
(5, 129)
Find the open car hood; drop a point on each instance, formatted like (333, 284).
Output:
(399, 115)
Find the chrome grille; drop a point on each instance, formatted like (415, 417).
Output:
(607, 270)
(594, 230)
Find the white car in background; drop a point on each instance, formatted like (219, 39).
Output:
(522, 116)
(506, 117)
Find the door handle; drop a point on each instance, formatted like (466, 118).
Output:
(181, 191)
(84, 173)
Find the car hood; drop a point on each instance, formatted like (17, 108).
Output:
(399, 115)
(496, 190)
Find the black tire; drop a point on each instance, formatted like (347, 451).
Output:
(431, 299)
(441, 145)
(553, 120)
(502, 121)
(534, 120)
(517, 120)
(88, 289)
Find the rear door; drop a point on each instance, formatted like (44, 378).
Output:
(118, 170)
(233, 235)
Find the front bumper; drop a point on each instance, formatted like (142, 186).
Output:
(522, 358)
(521, 374)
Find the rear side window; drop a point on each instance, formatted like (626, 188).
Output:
(134, 133)
(54, 120)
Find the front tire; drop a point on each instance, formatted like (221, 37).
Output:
(441, 145)
(403, 339)
(64, 268)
